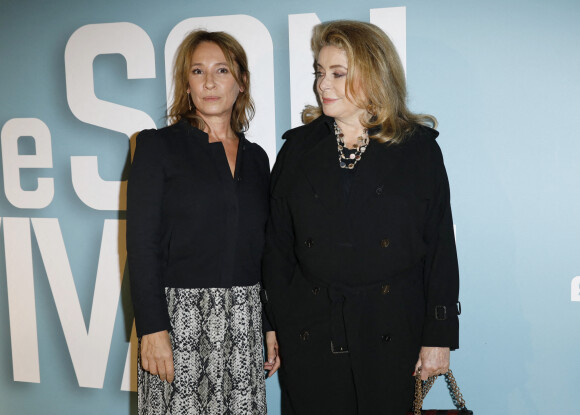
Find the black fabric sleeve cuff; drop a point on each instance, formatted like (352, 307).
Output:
(441, 333)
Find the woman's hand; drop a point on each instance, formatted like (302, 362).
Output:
(157, 355)
(273, 362)
(432, 361)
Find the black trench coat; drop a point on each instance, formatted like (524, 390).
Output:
(356, 286)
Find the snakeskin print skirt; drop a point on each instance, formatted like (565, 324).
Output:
(217, 355)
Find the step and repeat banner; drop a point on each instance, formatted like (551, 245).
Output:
(79, 78)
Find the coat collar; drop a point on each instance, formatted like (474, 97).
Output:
(201, 136)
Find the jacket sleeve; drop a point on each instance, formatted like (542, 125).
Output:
(144, 228)
(278, 262)
(441, 275)
(264, 166)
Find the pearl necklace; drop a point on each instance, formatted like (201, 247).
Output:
(360, 147)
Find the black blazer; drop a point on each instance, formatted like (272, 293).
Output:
(190, 224)
(385, 258)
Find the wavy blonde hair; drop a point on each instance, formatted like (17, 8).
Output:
(375, 80)
(243, 109)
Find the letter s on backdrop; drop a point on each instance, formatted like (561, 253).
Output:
(84, 45)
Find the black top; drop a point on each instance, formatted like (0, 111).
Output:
(190, 224)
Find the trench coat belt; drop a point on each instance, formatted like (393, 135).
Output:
(338, 293)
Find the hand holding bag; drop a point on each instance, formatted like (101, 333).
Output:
(423, 387)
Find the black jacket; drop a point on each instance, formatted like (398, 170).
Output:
(376, 273)
(190, 224)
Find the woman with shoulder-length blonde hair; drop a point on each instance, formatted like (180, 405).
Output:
(360, 266)
(196, 215)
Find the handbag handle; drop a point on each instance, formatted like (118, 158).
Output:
(423, 387)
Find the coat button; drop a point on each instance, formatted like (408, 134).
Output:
(315, 290)
(304, 335)
(385, 243)
(379, 190)
(316, 195)
(385, 289)
(239, 179)
(386, 338)
(309, 242)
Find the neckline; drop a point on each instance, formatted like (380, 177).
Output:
(203, 138)
(222, 149)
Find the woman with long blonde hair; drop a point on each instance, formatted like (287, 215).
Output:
(360, 266)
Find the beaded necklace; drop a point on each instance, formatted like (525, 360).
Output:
(360, 147)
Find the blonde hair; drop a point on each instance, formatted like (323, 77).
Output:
(375, 80)
(243, 109)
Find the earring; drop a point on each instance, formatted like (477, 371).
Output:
(189, 100)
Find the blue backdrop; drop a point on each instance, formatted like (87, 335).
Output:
(79, 77)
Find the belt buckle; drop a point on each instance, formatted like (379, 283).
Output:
(340, 351)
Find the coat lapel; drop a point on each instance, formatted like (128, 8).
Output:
(321, 168)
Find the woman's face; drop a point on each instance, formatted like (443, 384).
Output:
(212, 86)
(332, 67)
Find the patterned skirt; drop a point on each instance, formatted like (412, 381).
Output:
(217, 355)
